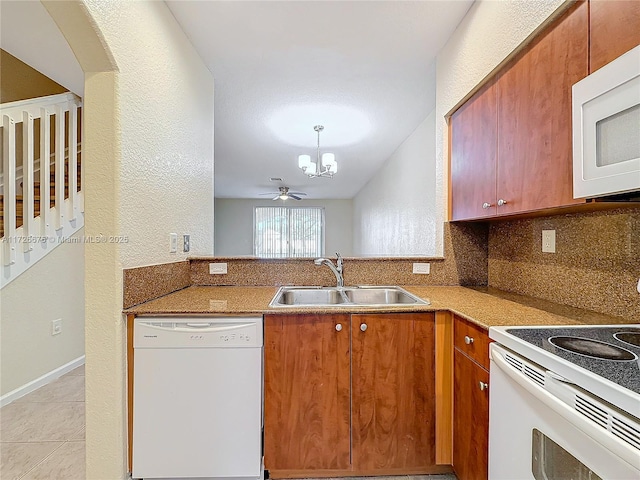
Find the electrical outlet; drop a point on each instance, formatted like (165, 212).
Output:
(173, 242)
(422, 268)
(549, 241)
(186, 242)
(56, 327)
(217, 268)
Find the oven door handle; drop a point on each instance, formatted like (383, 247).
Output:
(613, 444)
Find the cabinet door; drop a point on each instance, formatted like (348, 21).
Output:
(473, 156)
(470, 419)
(306, 398)
(534, 117)
(393, 391)
(614, 29)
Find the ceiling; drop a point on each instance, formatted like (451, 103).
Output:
(363, 69)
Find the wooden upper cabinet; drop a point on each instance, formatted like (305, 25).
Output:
(614, 29)
(393, 392)
(534, 117)
(473, 156)
(307, 392)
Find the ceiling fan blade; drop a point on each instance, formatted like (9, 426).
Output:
(297, 193)
(295, 197)
(269, 193)
(276, 197)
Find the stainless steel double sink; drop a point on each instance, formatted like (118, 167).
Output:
(372, 296)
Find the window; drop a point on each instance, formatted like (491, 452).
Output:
(288, 232)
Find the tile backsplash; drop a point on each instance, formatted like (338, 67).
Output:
(596, 265)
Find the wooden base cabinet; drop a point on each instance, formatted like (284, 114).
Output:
(349, 394)
(307, 392)
(470, 419)
(393, 391)
(470, 401)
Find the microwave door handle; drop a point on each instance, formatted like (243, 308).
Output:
(621, 449)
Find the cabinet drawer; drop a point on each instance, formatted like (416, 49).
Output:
(471, 340)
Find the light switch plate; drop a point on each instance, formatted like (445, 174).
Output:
(217, 268)
(173, 242)
(548, 241)
(186, 242)
(422, 268)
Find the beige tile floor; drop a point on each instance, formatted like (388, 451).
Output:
(42, 433)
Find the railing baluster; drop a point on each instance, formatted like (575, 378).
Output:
(73, 159)
(59, 179)
(27, 179)
(9, 170)
(45, 170)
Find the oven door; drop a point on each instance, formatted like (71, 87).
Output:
(535, 432)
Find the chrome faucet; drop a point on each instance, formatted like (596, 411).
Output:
(336, 269)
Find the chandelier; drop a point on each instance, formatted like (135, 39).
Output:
(325, 166)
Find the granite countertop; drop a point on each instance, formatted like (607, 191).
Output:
(485, 307)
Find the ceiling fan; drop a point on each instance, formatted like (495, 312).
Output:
(285, 194)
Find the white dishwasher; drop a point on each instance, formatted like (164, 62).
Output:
(197, 398)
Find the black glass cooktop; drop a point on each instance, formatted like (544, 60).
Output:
(611, 352)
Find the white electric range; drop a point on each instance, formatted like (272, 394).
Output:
(565, 402)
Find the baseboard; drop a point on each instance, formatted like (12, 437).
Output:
(41, 381)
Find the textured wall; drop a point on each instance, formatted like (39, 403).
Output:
(166, 120)
(489, 32)
(394, 214)
(149, 171)
(27, 307)
(596, 265)
(234, 224)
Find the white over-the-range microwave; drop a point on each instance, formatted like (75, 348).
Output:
(606, 129)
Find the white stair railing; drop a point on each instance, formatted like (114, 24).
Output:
(23, 246)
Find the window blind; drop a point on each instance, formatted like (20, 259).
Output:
(288, 232)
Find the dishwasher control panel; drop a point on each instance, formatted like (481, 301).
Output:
(197, 332)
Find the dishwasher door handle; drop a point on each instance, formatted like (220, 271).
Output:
(198, 325)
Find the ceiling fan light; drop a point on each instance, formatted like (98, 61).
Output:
(283, 196)
(304, 161)
(333, 168)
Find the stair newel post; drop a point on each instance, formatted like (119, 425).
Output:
(45, 172)
(27, 179)
(9, 192)
(73, 159)
(59, 167)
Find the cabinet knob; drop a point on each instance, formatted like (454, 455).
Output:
(468, 340)
(486, 205)
(363, 327)
(483, 386)
(338, 327)
(501, 202)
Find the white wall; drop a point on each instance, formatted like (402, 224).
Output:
(488, 33)
(234, 224)
(394, 214)
(53, 288)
